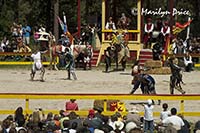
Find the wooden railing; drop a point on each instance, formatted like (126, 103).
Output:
(21, 62)
(105, 97)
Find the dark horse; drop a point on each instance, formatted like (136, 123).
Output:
(176, 76)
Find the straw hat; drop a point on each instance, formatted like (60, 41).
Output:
(134, 109)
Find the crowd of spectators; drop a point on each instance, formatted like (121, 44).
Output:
(67, 121)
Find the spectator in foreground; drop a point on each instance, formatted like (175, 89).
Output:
(176, 121)
(148, 117)
(165, 113)
(71, 105)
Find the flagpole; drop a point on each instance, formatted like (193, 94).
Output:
(188, 29)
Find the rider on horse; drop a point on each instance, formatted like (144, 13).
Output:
(176, 76)
(37, 65)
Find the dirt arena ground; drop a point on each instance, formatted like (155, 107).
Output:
(91, 81)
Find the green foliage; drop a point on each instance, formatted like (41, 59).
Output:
(36, 12)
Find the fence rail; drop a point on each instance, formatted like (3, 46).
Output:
(105, 97)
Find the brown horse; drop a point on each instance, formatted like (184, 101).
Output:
(57, 50)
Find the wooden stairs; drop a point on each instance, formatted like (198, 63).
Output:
(145, 54)
(95, 57)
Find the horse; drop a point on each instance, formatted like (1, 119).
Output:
(37, 66)
(78, 52)
(119, 49)
(176, 76)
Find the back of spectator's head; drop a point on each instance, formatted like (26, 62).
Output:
(10, 117)
(12, 130)
(19, 111)
(165, 105)
(113, 118)
(6, 123)
(173, 111)
(61, 112)
(105, 119)
(66, 123)
(73, 115)
(22, 130)
(85, 124)
(50, 116)
(56, 117)
(197, 125)
(72, 100)
(135, 130)
(74, 125)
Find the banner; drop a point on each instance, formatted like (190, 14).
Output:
(179, 27)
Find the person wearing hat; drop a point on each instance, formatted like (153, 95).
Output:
(148, 116)
(148, 29)
(133, 116)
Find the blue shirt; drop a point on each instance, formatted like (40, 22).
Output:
(26, 31)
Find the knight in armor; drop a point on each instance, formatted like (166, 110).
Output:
(146, 82)
(148, 29)
(176, 76)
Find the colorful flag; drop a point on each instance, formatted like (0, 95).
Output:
(179, 27)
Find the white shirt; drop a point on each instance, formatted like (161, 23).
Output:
(164, 114)
(167, 31)
(148, 30)
(108, 26)
(187, 61)
(37, 60)
(36, 57)
(174, 120)
(148, 112)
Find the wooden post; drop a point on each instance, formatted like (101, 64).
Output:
(79, 18)
(56, 12)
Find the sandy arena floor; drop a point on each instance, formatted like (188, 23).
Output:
(92, 81)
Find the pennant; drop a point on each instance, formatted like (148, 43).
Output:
(179, 27)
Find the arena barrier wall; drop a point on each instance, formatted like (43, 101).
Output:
(105, 97)
(22, 62)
